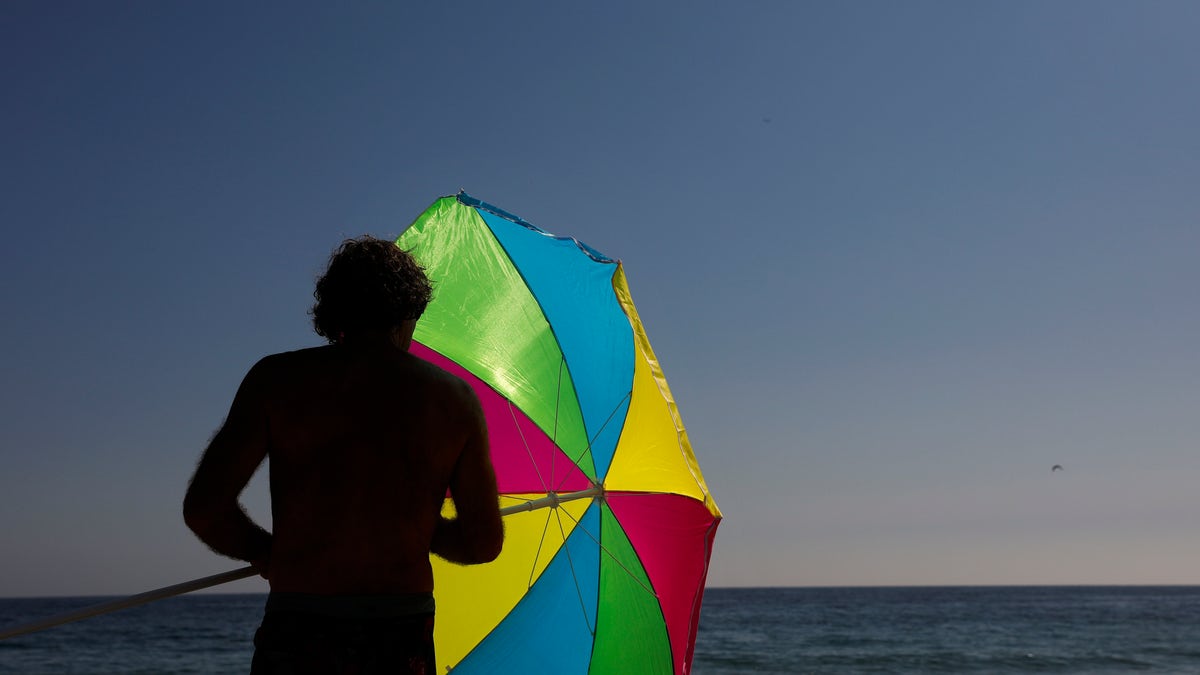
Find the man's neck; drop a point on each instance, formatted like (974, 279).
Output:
(396, 338)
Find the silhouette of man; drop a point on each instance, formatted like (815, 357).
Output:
(365, 440)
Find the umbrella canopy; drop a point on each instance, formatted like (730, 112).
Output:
(609, 524)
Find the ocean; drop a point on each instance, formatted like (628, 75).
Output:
(993, 630)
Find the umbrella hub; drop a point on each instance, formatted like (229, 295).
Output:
(553, 499)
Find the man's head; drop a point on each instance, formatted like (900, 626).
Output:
(370, 285)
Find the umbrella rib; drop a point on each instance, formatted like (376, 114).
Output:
(537, 556)
(574, 576)
(577, 460)
(529, 451)
(562, 361)
(613, 557)
(588, 449)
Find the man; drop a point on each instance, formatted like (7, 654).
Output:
(365, 440)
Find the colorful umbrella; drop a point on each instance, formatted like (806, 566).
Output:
(609, 524)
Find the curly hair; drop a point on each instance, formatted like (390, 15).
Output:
(370, 284)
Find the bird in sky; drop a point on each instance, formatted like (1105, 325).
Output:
(1056, 467)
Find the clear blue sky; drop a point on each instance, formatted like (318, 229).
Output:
(898, 259)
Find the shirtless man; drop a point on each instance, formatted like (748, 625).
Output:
(364, 440)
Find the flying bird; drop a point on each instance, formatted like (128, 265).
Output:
(1056, 467)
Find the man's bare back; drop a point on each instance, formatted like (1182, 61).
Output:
(364, 441)
(364, 444)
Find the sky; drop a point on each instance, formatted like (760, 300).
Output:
(897, 259)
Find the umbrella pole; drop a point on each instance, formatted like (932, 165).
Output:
(551, 500)
(131, 601)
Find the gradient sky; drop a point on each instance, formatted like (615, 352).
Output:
(897, 259)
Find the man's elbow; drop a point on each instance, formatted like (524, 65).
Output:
(484, 547)
(489, 547)
(199, 515)
(195, 521)
(487, 554)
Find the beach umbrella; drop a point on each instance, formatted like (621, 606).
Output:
(608, 521)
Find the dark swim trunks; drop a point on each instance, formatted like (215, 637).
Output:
(305, 634)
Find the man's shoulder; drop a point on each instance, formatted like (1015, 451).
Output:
(294, 358)
(326, 361)
(439, 375)
(287, 365)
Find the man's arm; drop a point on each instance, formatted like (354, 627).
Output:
(211, 508)
(476, 534)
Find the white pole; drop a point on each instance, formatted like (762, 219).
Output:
(131, 601)
(551, 500)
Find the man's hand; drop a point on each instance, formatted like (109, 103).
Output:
(262, 565)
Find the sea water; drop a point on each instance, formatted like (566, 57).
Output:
(950, 630)
(754, 630)
(197, 634)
